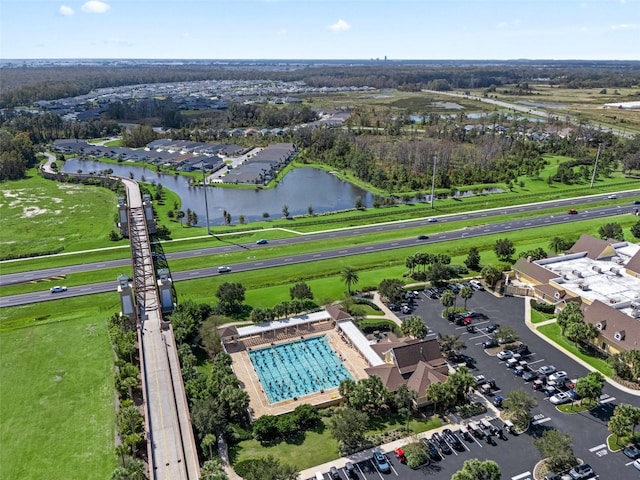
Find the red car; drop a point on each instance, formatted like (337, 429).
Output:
(572, 211)
(467, 320)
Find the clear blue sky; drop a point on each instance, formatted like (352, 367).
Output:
(321, 29)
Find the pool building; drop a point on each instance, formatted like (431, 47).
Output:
(282, 364)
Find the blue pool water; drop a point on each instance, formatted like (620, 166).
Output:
(299, 368)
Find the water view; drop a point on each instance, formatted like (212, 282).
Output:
(299, 189)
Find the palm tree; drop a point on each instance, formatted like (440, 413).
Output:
(466, 293)
(448, 299)
(557, 244)
(349, 277)
(520, 404)
(450, 344)
(180, 216)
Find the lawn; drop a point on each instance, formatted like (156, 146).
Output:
(317, 447)
(577, 407)
(552, 331)
(40, 215)
(537, 317)
(57, 400)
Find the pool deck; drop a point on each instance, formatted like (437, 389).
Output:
(243, 368)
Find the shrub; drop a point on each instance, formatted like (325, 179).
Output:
(543, 307)
(416, 455)
(471, 409)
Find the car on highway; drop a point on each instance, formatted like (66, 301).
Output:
(505, 355)
(381, 462)
(423, 237)
(560, 398)
(58, 289)
(432, 220)
(224, 269)
(572, 211)
(262, 241)
(582, 472)
(546, 370)
(632, 451)
(613, 196)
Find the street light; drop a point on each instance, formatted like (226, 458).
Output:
(433, 181)
(595, 166)
(206, 204)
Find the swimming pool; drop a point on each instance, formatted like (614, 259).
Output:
(292, 370)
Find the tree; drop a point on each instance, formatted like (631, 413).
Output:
(472, 262)
(461, 382)
(625, 419)
(507, 333)
(448, 299)
(348, 426)
(450, 344)
(504, 249)
(349, 277)
(466, 293)
(611, 230)
(404, 398)
(475, 469)
(310, 210)
(571, 313)
(519, 405)
(414, 326)
(265, 429)
(491, 274)
(301, 291)
(180, 216)
(285, 211)
(230, 296)
(590, 386)
(212, 470)
(266, 468)
(557, 448)
(635, 229)
(440, 394)
(581, 332)
(438, 273)
(391, 289)
(558, 244)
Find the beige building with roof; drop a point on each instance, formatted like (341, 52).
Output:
(604, 276)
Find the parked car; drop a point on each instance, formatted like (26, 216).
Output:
(476, 285)
(632, 451)
(423, 237)
(58, 289)
(432, 450)
(334, 474)
(529, 376)
(498, 401)
(505, 355)
(492, 327)
(224, 269)
(442, 445)
(560, 398)
(262, 241)
(581, 472)
(523, 350)
(538, 384)
(350, 470)
(453, 439)
(546, 370)
(557, 378)
(381, 462)
(636, 463)
(512, 362)
(490, 343)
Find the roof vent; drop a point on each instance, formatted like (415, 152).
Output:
(601, 325)
(615, 271)
(596, 268)
(619, 335)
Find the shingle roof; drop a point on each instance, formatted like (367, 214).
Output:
(422, 377)
(408, 356)
(338, 313)
(594, 247)
(616, 321)
(534, 271)
(389, 374)
(633, 265)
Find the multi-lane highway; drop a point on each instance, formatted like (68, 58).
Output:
(529, 219)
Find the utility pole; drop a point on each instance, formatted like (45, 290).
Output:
(433, 181)
(595, 166)
(206, 204)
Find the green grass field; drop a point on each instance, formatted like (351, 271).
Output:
(40, 215)
(57, 400)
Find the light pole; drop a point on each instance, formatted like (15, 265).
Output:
(206, 204)
(433, 181)
(595, 166)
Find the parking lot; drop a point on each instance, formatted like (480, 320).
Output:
(588, 429)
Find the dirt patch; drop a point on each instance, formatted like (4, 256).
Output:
(29, 212)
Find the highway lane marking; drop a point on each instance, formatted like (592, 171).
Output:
(599, 447)
(368, 248)
(521, 476)
(259, 264)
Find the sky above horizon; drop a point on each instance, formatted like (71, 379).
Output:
(321, 29)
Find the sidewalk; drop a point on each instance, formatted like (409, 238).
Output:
(534, 328)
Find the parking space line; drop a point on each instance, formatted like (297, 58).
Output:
(542, 420)
(522, 475)
(599, 447)
(607, 400)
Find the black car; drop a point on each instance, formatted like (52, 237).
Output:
(492, 327)
(442, 444)
(529, 376)
(423, 237)
(452, 439)
(490, 343)
(632, 451)
(523, 350)
(432, 450)
(350, 470)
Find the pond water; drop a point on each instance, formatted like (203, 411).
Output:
(299, 189)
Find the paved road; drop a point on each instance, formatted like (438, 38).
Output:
(501, 227)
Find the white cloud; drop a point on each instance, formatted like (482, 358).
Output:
(624, 26)
(95, 6)
(339, 26)
(65, 10)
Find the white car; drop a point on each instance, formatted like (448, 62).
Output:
(613, 196)
(546, 370)
(58, 289)
(557, 377)
(505, 354)
(224, 269)
(636, 463)
(560, 398)
(432, 220)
